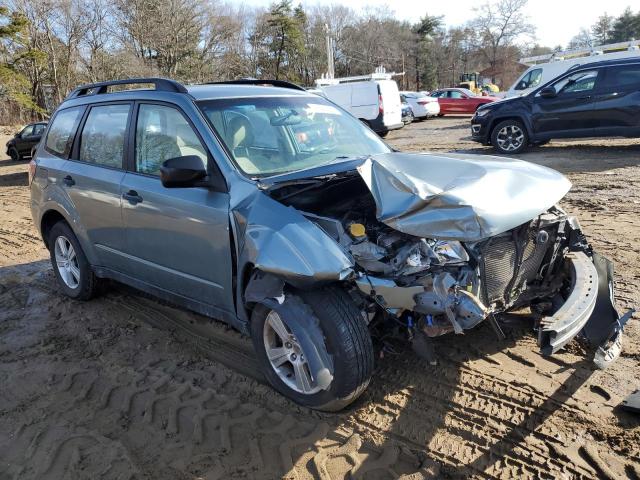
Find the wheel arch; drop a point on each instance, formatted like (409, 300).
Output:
(519, 118)
(48, 220)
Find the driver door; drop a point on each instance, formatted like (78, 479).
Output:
(570, 112)
(177, 239)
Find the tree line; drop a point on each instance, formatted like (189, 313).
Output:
(47, 47)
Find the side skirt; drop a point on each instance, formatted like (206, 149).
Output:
(179, 300)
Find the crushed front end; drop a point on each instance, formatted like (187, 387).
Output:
(440, 244)
(449, 286)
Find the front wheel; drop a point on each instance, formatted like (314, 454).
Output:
(346, 340)
(509, 137)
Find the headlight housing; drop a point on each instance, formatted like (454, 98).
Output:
(481, 112)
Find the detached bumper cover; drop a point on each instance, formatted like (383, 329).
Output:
(557, 330)
(590, 309)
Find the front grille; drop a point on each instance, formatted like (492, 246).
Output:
(501, 274)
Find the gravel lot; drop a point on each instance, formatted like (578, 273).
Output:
(116, 388)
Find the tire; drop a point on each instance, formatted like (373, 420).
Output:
(82, 288)
(509, 137)
(347, 341)
(14, 155)
(441, 115)
(383, 134)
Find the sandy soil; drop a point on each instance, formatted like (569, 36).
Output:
(116, 388)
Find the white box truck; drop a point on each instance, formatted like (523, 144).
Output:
(374, 99)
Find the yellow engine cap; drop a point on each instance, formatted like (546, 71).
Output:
(357, 229)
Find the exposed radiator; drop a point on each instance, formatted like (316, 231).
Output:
(499, 266)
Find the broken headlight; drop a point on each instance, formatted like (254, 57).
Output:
(449, 252)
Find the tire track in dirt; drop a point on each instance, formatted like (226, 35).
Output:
(212, 433)
(472, 408)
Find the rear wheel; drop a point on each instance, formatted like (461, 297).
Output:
(509, 137)
(346, 340)
(70, 265)
(14, 155)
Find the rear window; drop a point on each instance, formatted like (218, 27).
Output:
(62, 131)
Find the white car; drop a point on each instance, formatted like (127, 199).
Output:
(422, 105)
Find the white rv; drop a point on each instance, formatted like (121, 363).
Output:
(374, 99)
(557, 63)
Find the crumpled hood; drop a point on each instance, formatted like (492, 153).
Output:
(459, 197)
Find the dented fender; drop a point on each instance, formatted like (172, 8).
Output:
(281, 241)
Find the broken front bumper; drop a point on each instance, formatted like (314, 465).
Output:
(588, 309)
(557, 330)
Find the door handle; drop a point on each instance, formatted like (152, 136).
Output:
(587, 97)
(68, 181)
(132, 196)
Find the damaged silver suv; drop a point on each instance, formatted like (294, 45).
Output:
(270, 208)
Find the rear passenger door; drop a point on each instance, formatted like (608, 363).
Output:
(617, 104)
(177, 239)
(92, 179)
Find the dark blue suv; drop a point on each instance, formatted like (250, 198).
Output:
(600, 99)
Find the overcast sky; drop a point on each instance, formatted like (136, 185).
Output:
(556, 21)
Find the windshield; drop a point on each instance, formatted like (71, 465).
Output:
(273, 135)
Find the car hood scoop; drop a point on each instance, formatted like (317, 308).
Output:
(459, 197)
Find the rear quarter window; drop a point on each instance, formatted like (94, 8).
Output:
(62, 131)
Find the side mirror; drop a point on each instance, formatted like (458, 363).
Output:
(548, 92)
(18, 135)
(182, 172)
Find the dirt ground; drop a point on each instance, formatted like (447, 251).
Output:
(116, 388)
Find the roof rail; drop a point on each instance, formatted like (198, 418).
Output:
(163, 84)
(255, 81)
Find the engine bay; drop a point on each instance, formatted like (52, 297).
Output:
(440, 285)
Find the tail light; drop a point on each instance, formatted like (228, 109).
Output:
(32, 170)
(381, 107)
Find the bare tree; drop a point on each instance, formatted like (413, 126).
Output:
(583, 39)
(500, 25)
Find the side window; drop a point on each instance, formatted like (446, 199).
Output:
(63, 128)
(624, 77)
(38, 129)
(27, 131)
(578, 82)
(455, 94)
(162, 133)
(530, 80)
(102, 139)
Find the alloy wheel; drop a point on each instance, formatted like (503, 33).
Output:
(286, 356)
(67, 262)
(510, 138)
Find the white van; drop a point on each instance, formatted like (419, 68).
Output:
(374, 99)
(542, 73)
